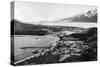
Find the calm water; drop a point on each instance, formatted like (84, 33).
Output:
(73, 24)
(30, 41)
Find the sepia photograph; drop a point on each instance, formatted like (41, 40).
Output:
(48, 33)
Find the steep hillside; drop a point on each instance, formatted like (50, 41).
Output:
(90, 16)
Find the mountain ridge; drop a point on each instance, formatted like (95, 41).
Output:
(19, 28)
(89, 16)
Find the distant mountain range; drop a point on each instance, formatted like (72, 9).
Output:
(89, 16)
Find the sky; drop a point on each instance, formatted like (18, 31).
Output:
(30, 12)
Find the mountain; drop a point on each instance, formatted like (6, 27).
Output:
(19, 28)
(89, 16)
